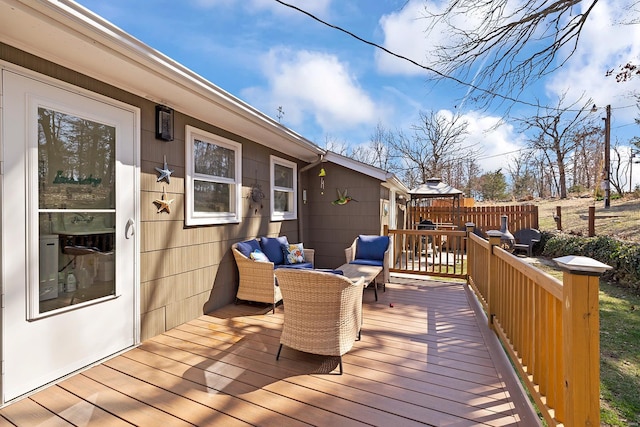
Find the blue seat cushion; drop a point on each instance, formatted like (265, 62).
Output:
(330, 270)
(374, 262)
(298, 265)
(272, 248)
(248, 246)
(371, 247)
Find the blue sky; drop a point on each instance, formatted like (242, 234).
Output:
(333, 87)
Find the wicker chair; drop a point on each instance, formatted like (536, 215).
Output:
(322, 312)
(352, 256)
(257, 281)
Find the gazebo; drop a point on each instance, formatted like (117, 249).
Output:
(436, 201)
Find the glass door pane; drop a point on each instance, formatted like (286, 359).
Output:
(76, 210)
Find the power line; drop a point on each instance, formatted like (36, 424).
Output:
(404, 58)
(425, 67)
(503, 154)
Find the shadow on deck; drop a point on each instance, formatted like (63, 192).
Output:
(426, 358)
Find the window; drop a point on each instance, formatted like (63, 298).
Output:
(283, 189)
(213, 178)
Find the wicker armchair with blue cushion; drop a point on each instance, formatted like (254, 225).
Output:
(371, 250)
(258, 258)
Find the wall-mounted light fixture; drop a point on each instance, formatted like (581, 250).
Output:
(164, 123)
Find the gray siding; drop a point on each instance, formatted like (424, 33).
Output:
(331, 228)
(185, 271)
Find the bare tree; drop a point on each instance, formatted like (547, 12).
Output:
(472, 174)
(512, 42)
(587, 157)
(521, 172)
(543, 184)
(619, 169)
(555, 137)
(333, 144)
(376, 152)
(435, 147)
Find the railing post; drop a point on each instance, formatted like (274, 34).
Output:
(581, 339)
(494, 240)
(469, 226)
(558, 218)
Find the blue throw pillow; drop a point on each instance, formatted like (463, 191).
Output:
(272, 248)
(371, 247)
(248, 246)
(293, 253)
(259, 256)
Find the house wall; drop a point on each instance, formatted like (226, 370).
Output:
(329, 229)
(184, 271)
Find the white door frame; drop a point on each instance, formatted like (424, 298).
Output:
(6, 249)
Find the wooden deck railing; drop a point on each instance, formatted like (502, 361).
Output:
(438, 253)
(549, 328)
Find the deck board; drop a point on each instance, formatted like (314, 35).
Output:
(424, 359)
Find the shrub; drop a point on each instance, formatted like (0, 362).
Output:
(623, 256)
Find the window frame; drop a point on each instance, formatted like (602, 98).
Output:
(211, 218)
(292, 214)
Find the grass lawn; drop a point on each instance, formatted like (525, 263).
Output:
(619, 357)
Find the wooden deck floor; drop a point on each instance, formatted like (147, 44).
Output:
(426, 360)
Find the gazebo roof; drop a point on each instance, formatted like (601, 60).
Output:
(434, 187)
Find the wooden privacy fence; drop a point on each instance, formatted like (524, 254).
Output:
(484, 217)
(549, 328)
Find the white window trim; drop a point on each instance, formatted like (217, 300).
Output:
(201, 218)
(293, 214)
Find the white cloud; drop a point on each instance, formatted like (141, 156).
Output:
(312, 84)
(496, 142)
(407, 33)
(604, 45)
(404, 34)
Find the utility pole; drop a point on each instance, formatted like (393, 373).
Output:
(607, 160)
(631, 156)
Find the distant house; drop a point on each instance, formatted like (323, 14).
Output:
(125, 179)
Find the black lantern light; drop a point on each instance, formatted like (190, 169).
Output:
(164, 123)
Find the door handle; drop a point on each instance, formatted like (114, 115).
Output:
(130, 229)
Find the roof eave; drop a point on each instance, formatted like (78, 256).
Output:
(74, 37)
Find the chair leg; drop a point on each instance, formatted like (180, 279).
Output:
(340, 365)
(279, 350)
(375, 289)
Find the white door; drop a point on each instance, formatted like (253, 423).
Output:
(69, 203)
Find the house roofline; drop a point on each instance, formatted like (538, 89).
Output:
(388, 178)
(74, 37)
